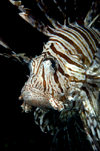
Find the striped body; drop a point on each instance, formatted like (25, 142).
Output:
(66, 64)
(66, 76)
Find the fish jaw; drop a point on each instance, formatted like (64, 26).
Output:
(35, 97)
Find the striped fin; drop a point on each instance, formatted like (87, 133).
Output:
(93, 14)
(91, 126)
(3, 44)
(44, 9)
(46, 120)
(16, 3)
(27, 16)
(9, 53)
(94, 20)
(90, 114)
(61, 10)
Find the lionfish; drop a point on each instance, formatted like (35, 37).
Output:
(66, 76)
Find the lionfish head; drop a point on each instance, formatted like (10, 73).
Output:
(46, 85)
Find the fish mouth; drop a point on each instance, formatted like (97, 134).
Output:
(34, 97)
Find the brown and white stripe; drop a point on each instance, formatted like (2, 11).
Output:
(67, 73)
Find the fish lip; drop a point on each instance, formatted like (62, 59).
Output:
(37, 98)
(34, 97)
(33, 90)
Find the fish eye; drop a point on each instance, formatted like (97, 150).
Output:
(53, 62)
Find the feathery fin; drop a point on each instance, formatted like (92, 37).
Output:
(44, 9)
(9, 53)
(61, 10)
(92, 15)
(16, 3)
(25, 13)
(93, 21)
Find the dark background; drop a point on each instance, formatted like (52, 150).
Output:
(17, 129)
